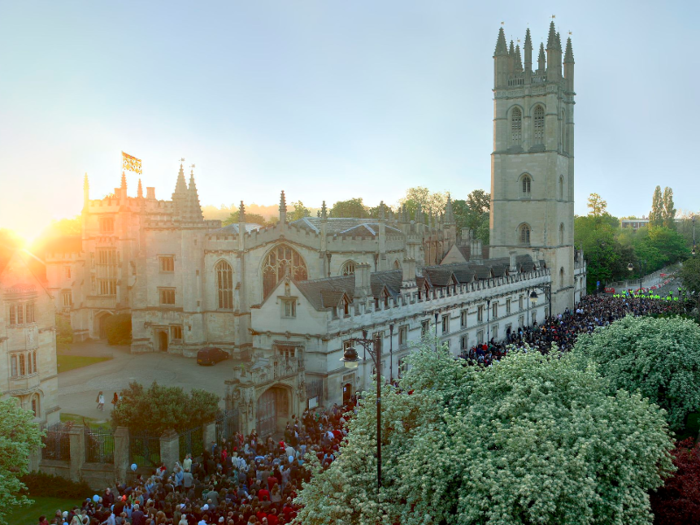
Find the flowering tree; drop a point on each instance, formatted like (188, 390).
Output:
(678, 501)
(659, 358)
(533, 439)
(18, 436)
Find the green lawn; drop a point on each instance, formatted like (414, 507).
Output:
(78, 420)
(42, 506)
(71, 362)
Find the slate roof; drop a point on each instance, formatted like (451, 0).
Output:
(349, 227)
(233, 228)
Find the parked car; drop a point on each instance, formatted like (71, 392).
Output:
(210, 355)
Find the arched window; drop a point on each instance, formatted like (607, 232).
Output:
(224, 284)
(29, 363)
(348, 268)
(516, 126)
(524, 234)
(527, 184)
(280, 261)
(34, 358)
(538, 123)
(22, 365)
(36, 405)
(397, 265)
(13, 366)
(561, 233)
(561, 187)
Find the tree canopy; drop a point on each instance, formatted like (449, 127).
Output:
(430, 202)
(299, 211)
(678, 501)
(535, 439)
(162, 408)
(597, 205)
(659, 358)
(352, 208)
(19, 435)
(252, 218)
(473, 214)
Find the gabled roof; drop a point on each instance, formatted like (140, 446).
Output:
(349, 227)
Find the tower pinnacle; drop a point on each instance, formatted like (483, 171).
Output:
(501, 46)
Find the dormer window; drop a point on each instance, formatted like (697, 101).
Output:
(289, 307)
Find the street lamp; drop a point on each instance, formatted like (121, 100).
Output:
(352, 361)
(532, 298)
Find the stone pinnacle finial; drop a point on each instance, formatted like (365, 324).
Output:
(324, 211)
(501, 46)
(123, 181)
(449, 212)
(511, 49)
(528, 40)
(518, 59)
(551, 38)
(569, 55)
(382, 213)
(86, 184)
(241, 213)
(139, 191)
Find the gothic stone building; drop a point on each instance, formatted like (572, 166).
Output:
(284, 300)
(28, 369)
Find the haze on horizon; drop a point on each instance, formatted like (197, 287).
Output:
(325, 100)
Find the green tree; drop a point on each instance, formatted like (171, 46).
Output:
(430, 202)
(659, 358)
(473, 214)
(669, 211)
(597, 205)
(532, 440)
(250, 218)
(300, 211)
(353, 208)
(656, 215)
(163, 408)
(19, 435)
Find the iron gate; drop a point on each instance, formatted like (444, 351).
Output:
(273, 404)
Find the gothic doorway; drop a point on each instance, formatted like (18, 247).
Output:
(163, 341)
(272, 411)
(347, 393)
(102, 320)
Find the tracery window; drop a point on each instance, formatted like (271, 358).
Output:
(525, 234)
(527, 184)
(348, 268)
(516, 126)
(224, 284)
(563, 131)
(282, 260)
(539, 125)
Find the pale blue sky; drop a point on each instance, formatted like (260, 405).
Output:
(326, 99)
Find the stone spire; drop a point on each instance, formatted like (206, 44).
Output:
(501, 46)
(518, 59)
(324, 211)
(558, 42)
(382, 212)
(283, 208)
(139, 191)
(449, 212)
(528, 51)
(241, 216)
(194, 209)
(540, 60)
(122, 189)
(551, 38)
(180, 193)
(569, 55)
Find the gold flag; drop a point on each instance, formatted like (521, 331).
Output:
(130, 163)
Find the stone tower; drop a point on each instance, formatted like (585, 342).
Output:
(532, 164)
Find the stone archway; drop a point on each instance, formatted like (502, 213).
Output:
(272, 411)
(163, 341)
(101, 321)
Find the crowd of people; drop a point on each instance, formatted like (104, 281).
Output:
(562, 330)
(253, 481)
(242, 481)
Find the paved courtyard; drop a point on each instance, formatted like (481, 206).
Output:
(77, 389)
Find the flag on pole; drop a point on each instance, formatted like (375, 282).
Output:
(130, 163)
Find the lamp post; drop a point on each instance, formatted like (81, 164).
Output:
(436, 334)
(352, 361)
(391, 353)
(533, 297)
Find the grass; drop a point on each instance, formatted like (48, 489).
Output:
(71, 362)
(95, 424)
(41, 507)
